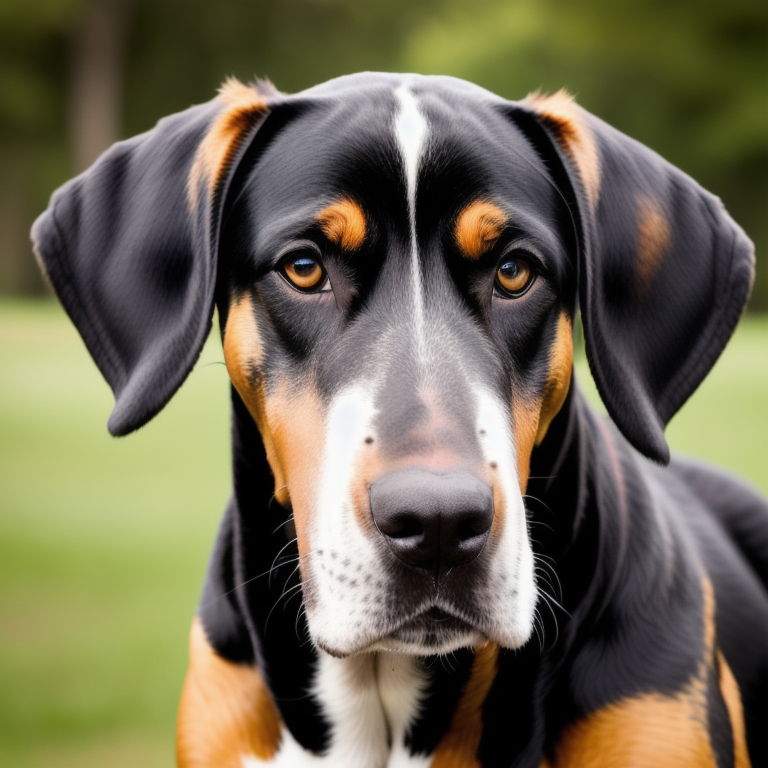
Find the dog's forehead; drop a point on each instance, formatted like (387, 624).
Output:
(349, 136)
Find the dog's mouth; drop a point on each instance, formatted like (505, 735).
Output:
(432, 631)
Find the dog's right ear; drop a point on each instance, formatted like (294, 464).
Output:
(130, 247)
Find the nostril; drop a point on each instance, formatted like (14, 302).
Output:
(402, 526)
(470, 528)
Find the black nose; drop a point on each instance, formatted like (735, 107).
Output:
(432, 519)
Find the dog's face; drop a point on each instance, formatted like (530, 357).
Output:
(398, 322)
(396, 261)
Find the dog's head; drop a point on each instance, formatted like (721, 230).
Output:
(397, 261)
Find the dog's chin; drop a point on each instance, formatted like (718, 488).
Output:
(431, 633)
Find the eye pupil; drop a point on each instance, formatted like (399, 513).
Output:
(511, 269)
(514, 277)
(304, 272)
(304, 267)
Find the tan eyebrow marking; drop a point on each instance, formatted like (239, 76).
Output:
(564, 117)
(343, 223)
(244, 106)
(478, 227)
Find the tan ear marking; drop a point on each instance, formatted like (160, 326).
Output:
(478, 227)
(243, 108)
(564, 117)
(653, 241)
(343, 223)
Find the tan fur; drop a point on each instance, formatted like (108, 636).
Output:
(343, 223)
(525, 415)
(532, 418)
(653, 729)
(653, 242)
(644, 732)
(478, 227)
(732, 696)
(226, 711)
(458, 748)
(295, 426)
(559, 379)
(243, 107)
(289, 418)
(244, 352)
(564, 116)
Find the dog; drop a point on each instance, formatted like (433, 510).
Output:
(436, 553)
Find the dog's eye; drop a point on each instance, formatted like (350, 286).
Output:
(514, 277)
(305, 272)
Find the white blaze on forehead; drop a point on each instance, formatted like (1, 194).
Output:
(411, 132)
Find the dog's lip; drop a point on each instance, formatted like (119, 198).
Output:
(395, 637)
(437, 614)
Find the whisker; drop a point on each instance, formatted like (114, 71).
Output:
(282, 549)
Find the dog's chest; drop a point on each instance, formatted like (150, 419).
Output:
(369, 702)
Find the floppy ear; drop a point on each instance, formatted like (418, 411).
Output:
(664, 272)
(130, 247)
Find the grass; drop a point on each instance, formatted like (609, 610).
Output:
(104, 542)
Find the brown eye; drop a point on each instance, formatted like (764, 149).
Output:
(514, 277)
(304, 272)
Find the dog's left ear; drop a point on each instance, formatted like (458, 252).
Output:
(130, 247)
(664, 272)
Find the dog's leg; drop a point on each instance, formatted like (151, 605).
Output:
(226, 711)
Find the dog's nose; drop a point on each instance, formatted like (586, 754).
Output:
(432, 519)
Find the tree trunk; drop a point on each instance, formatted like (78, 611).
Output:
(96, 79)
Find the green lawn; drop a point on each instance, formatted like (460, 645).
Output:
(103, 542)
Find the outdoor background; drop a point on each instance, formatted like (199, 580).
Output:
(103, 542)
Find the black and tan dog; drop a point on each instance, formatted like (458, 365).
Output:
(419, 488)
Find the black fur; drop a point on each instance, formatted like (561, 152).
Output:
(139, 273)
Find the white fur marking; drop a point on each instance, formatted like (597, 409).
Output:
(411, 132)
(513, 616)
(368, 700)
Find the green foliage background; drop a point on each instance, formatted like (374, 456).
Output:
(103, 542)
(686, 77)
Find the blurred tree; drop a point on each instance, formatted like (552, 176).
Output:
(689, 79)
(96, 62)
(33, 152)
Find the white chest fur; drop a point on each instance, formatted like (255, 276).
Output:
(369, 701)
